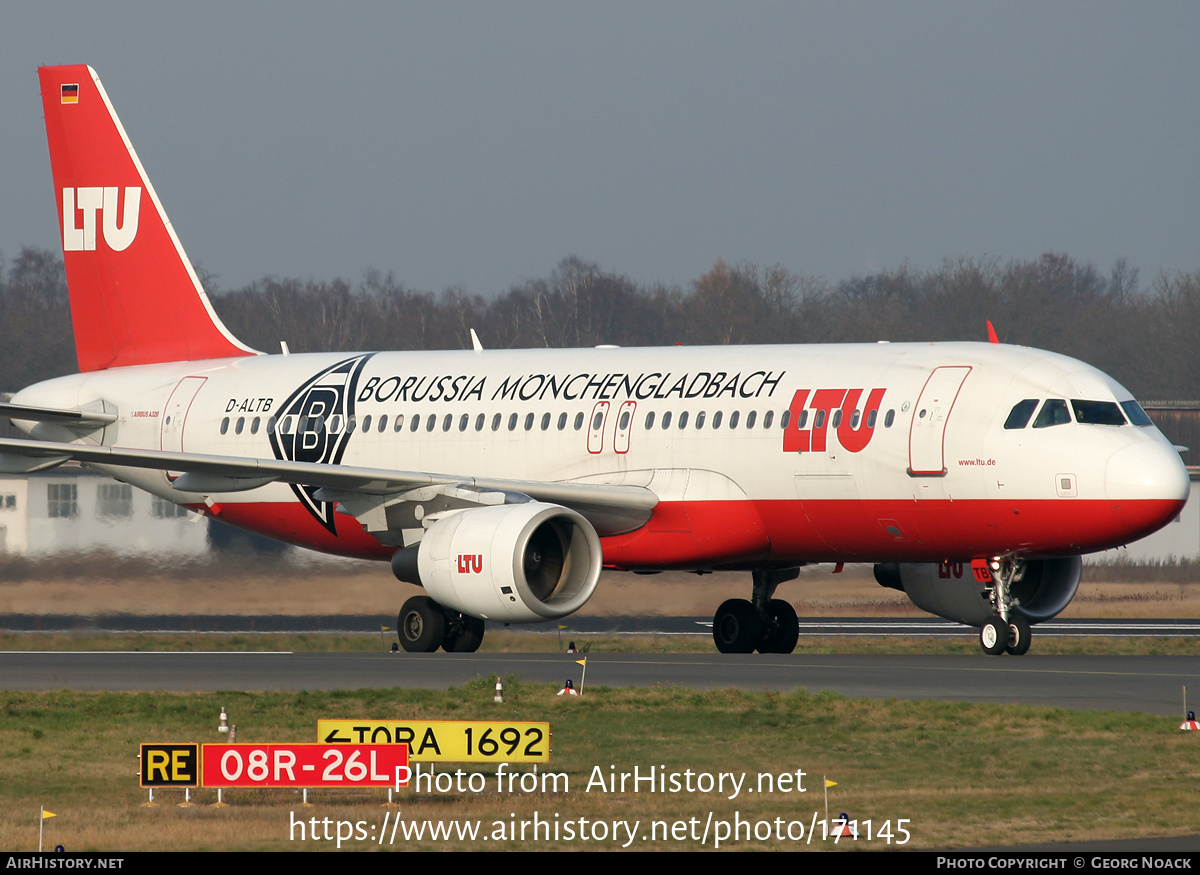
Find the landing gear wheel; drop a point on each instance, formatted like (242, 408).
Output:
(993, 637)
(1019, 635)
(736, 627)
(464, 634)
(783, 633)
(421, 625)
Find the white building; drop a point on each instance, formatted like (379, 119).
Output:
(73, 508)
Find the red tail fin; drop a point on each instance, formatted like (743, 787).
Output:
(135, 298)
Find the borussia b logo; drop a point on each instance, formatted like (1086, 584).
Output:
(301, 432)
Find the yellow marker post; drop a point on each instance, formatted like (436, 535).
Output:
(41, 825)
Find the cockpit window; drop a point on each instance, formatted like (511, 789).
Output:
(1097, 412)
(1135, 413)
(1018, 417)
(1053, 412)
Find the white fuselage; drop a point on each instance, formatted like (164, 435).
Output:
(890, 451)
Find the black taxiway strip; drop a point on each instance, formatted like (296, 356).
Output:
(826, 626)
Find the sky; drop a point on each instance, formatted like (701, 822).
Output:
(478, 144)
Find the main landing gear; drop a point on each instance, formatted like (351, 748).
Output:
(1008, 631)
(766, 624)
(424, 626)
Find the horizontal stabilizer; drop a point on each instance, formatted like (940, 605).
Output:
(13, 463)
(57, 415)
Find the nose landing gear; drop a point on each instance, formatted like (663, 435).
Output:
(1008, 631)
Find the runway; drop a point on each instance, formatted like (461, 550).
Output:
(1151, 684)
(701, 627)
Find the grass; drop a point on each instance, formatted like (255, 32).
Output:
(961, 775)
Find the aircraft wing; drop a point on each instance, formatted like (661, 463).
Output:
(611, 509)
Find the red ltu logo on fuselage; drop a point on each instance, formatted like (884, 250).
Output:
(470, 563)
(830, 408)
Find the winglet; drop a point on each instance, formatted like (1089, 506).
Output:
(475, 344)
(135, 298)
(992, 338)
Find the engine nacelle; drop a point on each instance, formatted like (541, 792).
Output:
(514, 563)
(950, 590)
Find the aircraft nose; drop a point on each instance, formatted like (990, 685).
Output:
(1148, 470)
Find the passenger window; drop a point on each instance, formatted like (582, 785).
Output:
(399, 422)
(366, 423)
(623, 423)
(528, 421)
(350, 423)
(837, 418)
(383, 423)
(241, 423)
(464, 421)
(578, 421)
(1053, 412)
(871, 417)
(733, 419)
(854, 419)
(225, 425)
(785, 419)
(683, 417)
(649, 420)
(889, 419)
(271, 425)
(562, 421)
(768, 418)
(254, 425)
(447, 421)
(717, 419)
(496, 422)
(416, 422)
(285, 427)
(700, 420)
(545, 421)
(512, 422)
(335, 424)
(1018, 417)
(479, 420)
(750, 417)
(431, 422)
(667, 420)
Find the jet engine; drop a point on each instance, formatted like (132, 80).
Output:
(1040, 589)
(513, 563)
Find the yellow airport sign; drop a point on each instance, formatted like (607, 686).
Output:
(170, 765)
(447, 741)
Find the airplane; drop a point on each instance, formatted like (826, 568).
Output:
(971, 475)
